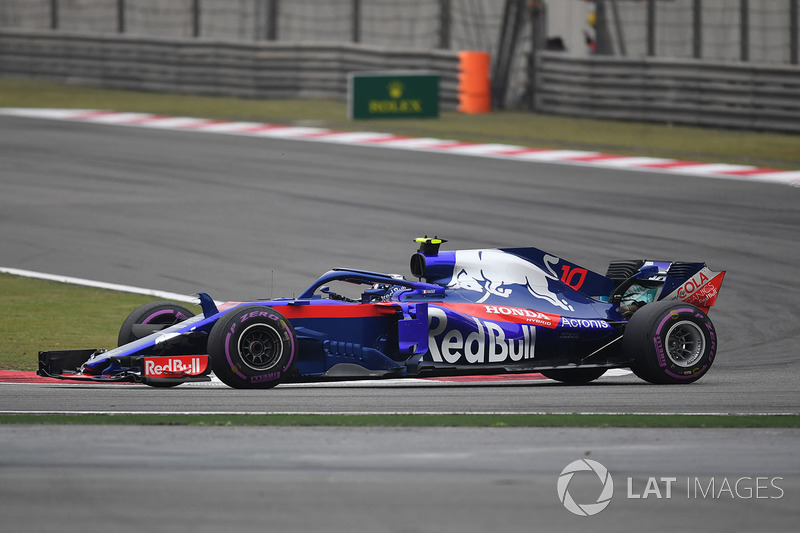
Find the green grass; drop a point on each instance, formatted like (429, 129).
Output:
(413, 420)
(47, 315)
(510, 127)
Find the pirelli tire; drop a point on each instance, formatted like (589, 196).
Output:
(252, 347)
(670, 342)
(150, 318)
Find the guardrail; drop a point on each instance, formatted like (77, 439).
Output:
(256, 70)
(734, 95)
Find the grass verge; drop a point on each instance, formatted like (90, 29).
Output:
(509, 127)
(47, 315)
(415, 420)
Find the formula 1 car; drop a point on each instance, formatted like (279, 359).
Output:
(469, 312)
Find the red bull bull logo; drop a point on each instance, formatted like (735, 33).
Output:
(495, 273)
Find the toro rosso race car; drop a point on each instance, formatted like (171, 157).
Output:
(467, 312)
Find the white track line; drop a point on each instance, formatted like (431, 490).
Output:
(362, 413)
(100, 285)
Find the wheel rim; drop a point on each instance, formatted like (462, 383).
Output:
(260, 347)
(686, 344)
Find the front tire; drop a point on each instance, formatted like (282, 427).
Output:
(252, 347)
(150, 318)
(670, 342)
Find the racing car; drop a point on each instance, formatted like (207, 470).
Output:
(465, 312)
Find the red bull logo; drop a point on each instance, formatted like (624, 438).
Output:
(175, 366)
(487, 343)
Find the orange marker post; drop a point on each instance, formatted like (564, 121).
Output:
(474, 92)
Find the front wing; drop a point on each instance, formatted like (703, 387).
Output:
(151, 370)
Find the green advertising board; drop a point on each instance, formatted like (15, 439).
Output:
(393, 94)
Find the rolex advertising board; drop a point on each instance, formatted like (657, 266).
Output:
(393, 94)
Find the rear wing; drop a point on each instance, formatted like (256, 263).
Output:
(700, 289)
(693, 283)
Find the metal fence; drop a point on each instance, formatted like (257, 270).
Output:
(719, 30)
(763, 31)
(421, 24)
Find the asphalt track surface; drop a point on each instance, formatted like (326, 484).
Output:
(132, 479)
(244, 218)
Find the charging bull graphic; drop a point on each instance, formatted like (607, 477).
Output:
(494, 272)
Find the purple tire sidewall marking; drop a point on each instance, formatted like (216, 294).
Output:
(713, 335)
(228, 356)
(658, 330)
(156, 314)
(291, 339)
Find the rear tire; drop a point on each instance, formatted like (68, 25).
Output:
(578, 376)
(670, 342)
(252, 347)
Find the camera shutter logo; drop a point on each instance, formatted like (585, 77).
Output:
(588, 509)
